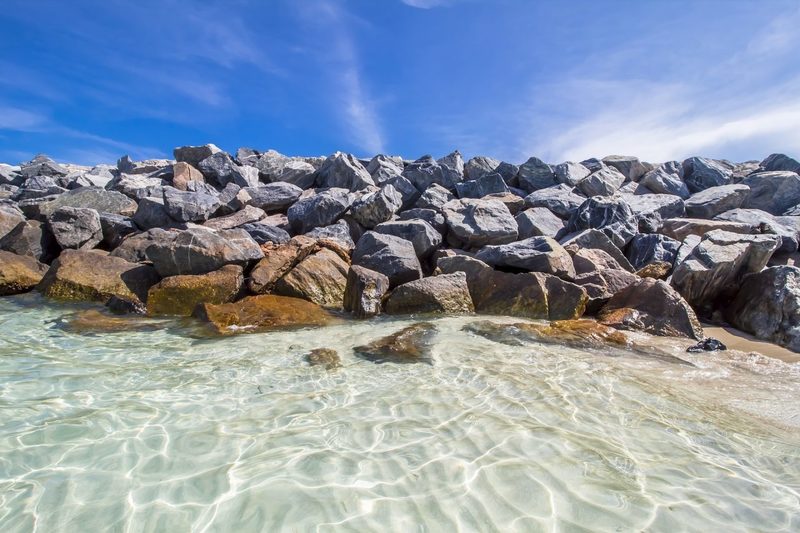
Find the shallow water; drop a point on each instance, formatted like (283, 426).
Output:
(168, 431)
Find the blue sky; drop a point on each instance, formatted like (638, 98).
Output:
(88, 81)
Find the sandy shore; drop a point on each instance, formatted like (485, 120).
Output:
(735, 339)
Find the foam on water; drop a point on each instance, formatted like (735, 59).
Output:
(168, 431)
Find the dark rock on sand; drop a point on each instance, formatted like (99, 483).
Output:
(409, 345)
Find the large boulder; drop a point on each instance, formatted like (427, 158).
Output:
(220, 168)
(273, 197)
(715, 200)
(133, 248)
(136, 186)
(536, 254)
(199, 251)
(180, 295)
(591, 260)
(76, 227)
(115, 228)
(376, 206)
(278, 260)
(19, 273)
(447, 293)
(434, 197)
(320, 209)
(762, 222)
(364, 292)
(773, 192)
(595, 239)
(264, 233)
(409, 345)
(651, 306)
(431, 216)
(680, 228)
(611, 215)
(343, 171)
(570, 173)
(652, 209)
(185, 206)
(194, 154)
(384, 168)
(152, 213)
(320, 278)
(628, 166)
(42, 165)
(184, 173)
(474, 223)
(426, 171)
(601, 285)
(666, 179)
(340, 232)
(96, 198)
(265, 312)
(768, 306)
(538, 222)
(479, 166)
(535, 174)
(10, 218)
(645, 249)
(95, 276)
(713, 270)
(701, 173)
(392, 256)
(422, 235)
(247, 216)
(778, 162)
(603, 182)
(585, 334)
(483, 186)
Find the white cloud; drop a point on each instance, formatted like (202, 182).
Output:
(427, 4)
(16, 119)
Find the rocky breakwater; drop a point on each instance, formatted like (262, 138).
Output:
(260, 240)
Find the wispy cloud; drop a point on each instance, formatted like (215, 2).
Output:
(16, 119)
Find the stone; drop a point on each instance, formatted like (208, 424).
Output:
(409, 345)
(582, 333)
(324, 357)
(273, 166)
(628, 166)
(512, 200)
(42, 165)
(278, 260)
(384, 168)
(321, 209)
(19, 273)
(10, 218)
(715, 200)
(570, 173)
(231, 198)
(587, 260)
(700, 173)
(199, 251)
(247, 216)
(320, 278)
(183, 173)
(479, 166)
(483, 186)
(431, 216)
(680, 228)
(446, 293)
(560, 199)
(477, 222)
(133, 248)
(408, 193)
(273, 197)
(376, 206)
(266, 233)
(152, 213)
(536, 254)
(535, 174)
(81, 275)
(425, 172)
(538, 221)
(527, 294)
(339, 232)
(422, 235)
(603, 182)
(651, 306)
(707, 345)
(667, 179)
(148, 166)
(611, 215)
(180, 295)
(185, 206)
(593, 238)
(393, 256)
(773, 192)
(31, 238)
(652, 209)
(650, 248)
(780, 162)
(265, 312)
(100, 200)
(655, 270)
(767, 306)
(434, 197)
(601, 285)
(115, 228)
(221, 169)
(343, 171)
(136, 186)
(194, 154)
(76, 228)
(715, 267)
(364, 292)
(787, 228)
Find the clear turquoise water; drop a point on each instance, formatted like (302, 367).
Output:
(168, 431)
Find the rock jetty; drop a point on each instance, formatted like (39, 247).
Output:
(258, 240)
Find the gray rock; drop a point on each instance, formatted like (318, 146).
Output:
(535, 174)
(137, 186)
(343, 171)
(483, 186)
(479, 166)
(339, 232)
(595, 239)
(42, 165)
(645, 249)
(185, 206)
(601, 285)
(628, 166)
(392, 256)
(10, 218)
(588, 260)
(538, 221)
(570, 173)
(778, 162)
(194, 154)
(408, 193)
(264, 233)
(33, 239)
(763, 222)
(679, 228)
(652, 209)
(248, 215)
(611, 215)
(446, 293)
(477, 222)
(115, 228)
(510, 173)
(376, 206)
(273, 197)
(231, 198)
(773, 192)
(434, 198)
(321, 209)
(536, 254)
(126, 165)
(715, 200)
(151, 213)
(422, 235)
(667, 179)
(273, 166)
(76, 227)
(364, 292)
(560, 199)
(431, 216)
(100, 200)
(700, 173)
(426, 171)
(133, 248)
(384, 168)
(603, 182)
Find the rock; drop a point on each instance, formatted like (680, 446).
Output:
(423, 237)
(152, 213)
(583, 333)
(189, 206)
(432, 217)
(446, 293)
(32, 239)
(95, 322)
(133, 248)
(611, 215)
(376, 206)
(425, 172)
(115, 228)
(536, 254)
(773, 192)
(527, 294)
(273, 197)
(656, 270)
(136, 186)
(266, 312)
(194, 154)
(384, 169)
(603, 182)
(477, 222)
(179, 295)
(339, 232)
(483, 186)
(100, 200)
(389, 255)
(628, 166)
(512, 201)
(149, 166)
(248, 216)
(779, 162)
(278, 260)
(10, 218)
(231, 198)
(601, 285)
(700, 173)
(480, 166)
(588, 260)
(408, 193)
(707, 345)
(667, 179)
(768, 306)
(42, 165)
(652, 209)
(364, 292)
(650, 248)
(91, 276)
(434, 197)
(715, 200)
(570, 173)
(19, 273)
(680, 228)
(273, 166)
(76, 228)
(560, 199)
(716, 266)
(343, 171)
(409, 345)
(320, 278)
(220, 168)
(199, 251)
(265, 233)
(593, 238)
(324, 357)
(321, 209)
(183, 173)
(538, 221)
(535, 174)
(762, 222)
(651, 306)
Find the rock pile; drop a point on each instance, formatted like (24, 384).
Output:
(258, 240)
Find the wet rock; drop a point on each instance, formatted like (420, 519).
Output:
(535, 174)
(93, 321)
(76, 228)
(344, 171)
(773, 192)
(603, 182)
(583, 333)
(376, 206)
(321, 209)
(92, 276)
(393, 256)
(652, 209)
(115, 228)
(596, 239)
(248, 216)
(324, 357)
(611, 215)
(19, 273)
(423, 237)
(651, 306)
(700, 173)
(707, 345)
(628, 166)
(425, 172)
(667, 179)
(266, 312)
(320, 278)
(409, 345)
(364, 292)
(265, 233)
(179, 295)
(536, 254)
(434, 197)
(186, 206)
(570, 173)
(446, 293)
(715, 200)
(680, 228)
(649, 248)
(779, 162)
(483, 186)
(477, 222)
(538, 222)
(183, 173)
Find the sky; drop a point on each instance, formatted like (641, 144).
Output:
(89, 81)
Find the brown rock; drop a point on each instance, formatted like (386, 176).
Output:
(19, 273)
(319, 278)
(94, 321)
(179, 295)
(364, 291)
(447, 293)
(656, 270)
(244, 216)
(278, 260)
(183, 173)
(593, 259)
(324, 357)
(409, 345)
(679, 228)
(602, 285)
(583, 333)
(262, 313)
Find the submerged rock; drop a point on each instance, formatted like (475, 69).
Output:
(265, 312)
(324, 357)
(446, 293)
(409, 345)
(583, 333)
(19, 273)
(180, 295)
(93, 321)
